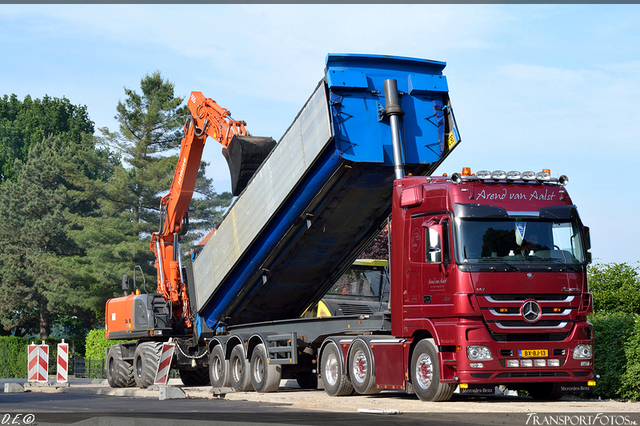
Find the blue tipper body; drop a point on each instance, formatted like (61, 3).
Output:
(344, 197)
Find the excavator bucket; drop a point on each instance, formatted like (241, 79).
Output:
(244, 156)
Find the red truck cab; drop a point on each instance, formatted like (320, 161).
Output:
(493, 270)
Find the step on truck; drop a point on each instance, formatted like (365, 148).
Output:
(488, 270)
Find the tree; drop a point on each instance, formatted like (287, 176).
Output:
(23, 124)
(151, 129)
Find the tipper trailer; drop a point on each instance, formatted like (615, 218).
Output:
(471, 304)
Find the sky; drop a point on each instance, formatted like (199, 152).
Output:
(532, 86)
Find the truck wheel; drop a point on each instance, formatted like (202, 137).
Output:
(335, 382)
(119, 371)
(425, 373)
(544, 391)
(219, 368)
(265, 377)
(197, 377)
(361, 369)
(145, 363)
(239, 371)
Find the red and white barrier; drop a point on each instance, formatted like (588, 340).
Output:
(63, 362)
(38, 362)
(164, 366)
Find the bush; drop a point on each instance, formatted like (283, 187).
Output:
(615, 288)
(630, 379)
(96, 344)
(13, 353)
(611, 331)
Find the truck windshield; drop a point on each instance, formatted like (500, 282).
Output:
(518, 241)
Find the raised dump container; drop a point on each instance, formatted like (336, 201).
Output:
(324, 191)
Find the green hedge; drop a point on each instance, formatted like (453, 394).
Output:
(97, 343)
(616, 340)
(13, 353)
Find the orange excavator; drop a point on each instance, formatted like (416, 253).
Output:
(244, 154)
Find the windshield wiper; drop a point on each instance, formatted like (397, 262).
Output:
(507, 265)
(567, 266)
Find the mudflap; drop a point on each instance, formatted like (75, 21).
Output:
(244, 156)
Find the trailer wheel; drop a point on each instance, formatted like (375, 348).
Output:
(119, 371)
(544, 391)
(197, 377)
(239, 371)
(425, 373)
(265, 377)
(145, 363)
(219, 368)
(335, 382)
(361, 369)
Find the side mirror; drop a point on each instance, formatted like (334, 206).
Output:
(587, 237)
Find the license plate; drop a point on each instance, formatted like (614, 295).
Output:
(534, 353)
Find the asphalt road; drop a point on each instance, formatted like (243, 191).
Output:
(86, 404)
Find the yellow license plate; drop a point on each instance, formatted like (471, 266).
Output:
(534, 353)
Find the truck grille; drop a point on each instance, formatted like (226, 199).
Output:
(554, 313)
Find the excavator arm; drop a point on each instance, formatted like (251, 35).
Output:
(207, 118)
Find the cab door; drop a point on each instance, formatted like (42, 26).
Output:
(437, 288)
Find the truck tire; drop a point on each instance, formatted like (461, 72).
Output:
(119, 371)
(265, 377)
(219, 368)
(544, 391)
(425, 373)
(145, 363)
(197, 377)
(239, 371)
(361, 369)
(334, 380)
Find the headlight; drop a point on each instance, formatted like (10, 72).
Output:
(479, 353)
(582, 352)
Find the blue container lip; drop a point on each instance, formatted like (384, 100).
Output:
(339, 59)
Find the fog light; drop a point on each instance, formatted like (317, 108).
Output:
(476, 365)
(479, 353)
(582, 351)
(553, 363)
(585, 363)
(513, 175)
(498, 175)
(526, 363)
(513, 363)
(540, 363)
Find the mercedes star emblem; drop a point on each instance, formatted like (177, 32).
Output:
(531, 311)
